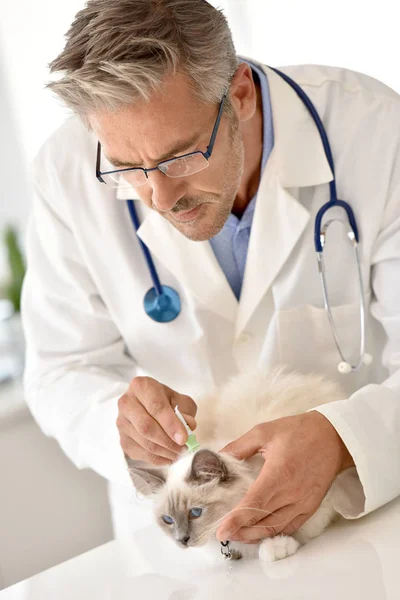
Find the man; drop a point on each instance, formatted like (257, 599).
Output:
(231, 230)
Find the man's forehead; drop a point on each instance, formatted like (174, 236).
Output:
(160, 131)
(126, 144)
(174, 104)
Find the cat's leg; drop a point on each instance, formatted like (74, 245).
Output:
(277, 547)
(246, 550)
(281, 546)
(317, 523)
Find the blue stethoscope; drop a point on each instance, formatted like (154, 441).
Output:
(162, 303)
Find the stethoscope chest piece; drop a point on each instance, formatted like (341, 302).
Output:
(161, 303)
(164, 307)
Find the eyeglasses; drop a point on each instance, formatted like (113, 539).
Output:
(179, 166)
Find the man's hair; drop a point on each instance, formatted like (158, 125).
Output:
(119, 51)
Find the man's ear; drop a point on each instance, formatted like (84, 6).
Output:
(146, 478)
(207, 466)
(243, 94)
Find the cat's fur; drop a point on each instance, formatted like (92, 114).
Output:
(217, 482)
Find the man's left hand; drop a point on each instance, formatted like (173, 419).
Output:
(303, 454)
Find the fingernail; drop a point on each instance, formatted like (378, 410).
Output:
(178, 437)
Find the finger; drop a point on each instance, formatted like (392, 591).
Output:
(133, 450)
(146, 425)
(154, 448)
(127, 428)
(294, 525)
(191, 421)
(269, 526)
(185, 403)
(260, 501)
(187, 407)
(245, 515)
(157, 400)
(248, 444)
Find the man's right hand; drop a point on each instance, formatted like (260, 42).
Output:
(148, 427)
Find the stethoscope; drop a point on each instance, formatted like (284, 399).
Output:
(162, 303)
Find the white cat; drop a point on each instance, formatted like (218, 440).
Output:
(193, 495)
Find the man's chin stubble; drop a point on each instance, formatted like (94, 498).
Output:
(198, 232)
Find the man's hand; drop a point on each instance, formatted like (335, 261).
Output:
(303, 454)
(148, 427)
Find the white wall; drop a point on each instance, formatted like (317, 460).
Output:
(357, 34)
(31, 35)
(49, 510)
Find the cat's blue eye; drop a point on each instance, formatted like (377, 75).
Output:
(168, 520)
(195, 512)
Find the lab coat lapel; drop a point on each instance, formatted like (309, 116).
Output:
(297, 160)
(192, 263)
(279, 220)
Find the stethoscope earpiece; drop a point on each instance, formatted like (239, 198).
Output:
(344, 368)
(162, 303)
(367, 359)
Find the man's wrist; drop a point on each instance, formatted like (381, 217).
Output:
(346, 459)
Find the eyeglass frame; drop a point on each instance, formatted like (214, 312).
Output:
(206, 154)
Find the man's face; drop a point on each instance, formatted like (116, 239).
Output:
(173, 123)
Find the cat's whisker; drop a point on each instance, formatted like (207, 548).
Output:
(268, 512)
(210, 529)
(217, 481)
(219, 521)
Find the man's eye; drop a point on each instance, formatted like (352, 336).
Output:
(195, 512)
(168, 520)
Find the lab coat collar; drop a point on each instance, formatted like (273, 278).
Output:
(297, 160)
(301, 159)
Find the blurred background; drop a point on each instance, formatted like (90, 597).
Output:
(50, 511)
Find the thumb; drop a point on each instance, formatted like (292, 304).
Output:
(191, 421)
(245, 446)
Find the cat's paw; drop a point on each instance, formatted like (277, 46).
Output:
(278, 547)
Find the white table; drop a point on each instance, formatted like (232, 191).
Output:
(38, 519)
(358, 560)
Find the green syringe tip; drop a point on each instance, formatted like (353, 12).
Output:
(192, 443)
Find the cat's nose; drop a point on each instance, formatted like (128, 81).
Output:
(184, 540)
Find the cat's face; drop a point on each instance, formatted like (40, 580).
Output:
(194, 494)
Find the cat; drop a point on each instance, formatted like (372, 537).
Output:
(192, 495)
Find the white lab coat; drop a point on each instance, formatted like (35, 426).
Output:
(87, 333)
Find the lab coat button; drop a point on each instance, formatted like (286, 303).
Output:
(245, 337)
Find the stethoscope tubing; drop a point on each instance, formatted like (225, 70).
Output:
(332, 184)
(319, 242)
(150, 263)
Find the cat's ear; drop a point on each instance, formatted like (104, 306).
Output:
(207, 466)
(146, 478)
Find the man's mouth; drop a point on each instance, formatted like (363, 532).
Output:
(186, 215)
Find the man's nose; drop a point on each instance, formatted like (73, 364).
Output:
(166, 191)
(184, 540)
